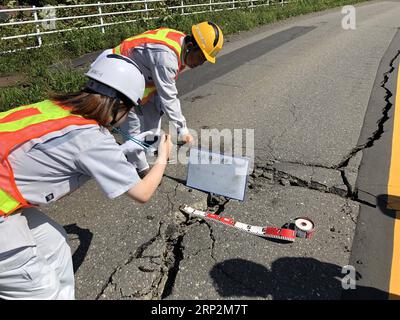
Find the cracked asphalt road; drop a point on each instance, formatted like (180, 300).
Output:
(303, 85)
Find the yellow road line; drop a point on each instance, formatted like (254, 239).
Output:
(394, 190)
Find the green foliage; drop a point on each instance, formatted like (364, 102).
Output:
(41, 82)
(41, 3)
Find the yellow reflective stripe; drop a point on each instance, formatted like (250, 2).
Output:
(160, 35)
(49, 111)
(7, 203)
(163, 32)
(117, 50)
(148, 91)
(157, 37)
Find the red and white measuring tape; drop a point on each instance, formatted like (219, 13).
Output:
(303, 227)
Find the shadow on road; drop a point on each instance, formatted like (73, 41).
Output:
(389, 205)
(85, 238)
(288, 279)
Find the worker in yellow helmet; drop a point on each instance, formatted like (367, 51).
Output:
(161, 55)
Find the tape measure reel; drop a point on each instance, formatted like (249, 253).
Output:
(301, 227)
(304, 227)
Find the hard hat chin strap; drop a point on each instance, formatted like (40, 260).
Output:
(191, 39)
(115, 110)
(216, 31)
(101, 88)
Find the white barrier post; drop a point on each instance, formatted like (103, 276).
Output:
(35, 16)
(147, 9)
(101, 18)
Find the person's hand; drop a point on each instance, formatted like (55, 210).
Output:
(164, 148)
(187, 138)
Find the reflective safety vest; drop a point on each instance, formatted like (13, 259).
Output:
(20, 125)
(165, 36)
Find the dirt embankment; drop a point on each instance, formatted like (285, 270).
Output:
(11, 80)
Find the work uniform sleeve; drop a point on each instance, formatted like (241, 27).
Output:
(107, 164)
(164, 80)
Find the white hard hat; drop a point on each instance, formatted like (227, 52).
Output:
(113, 74)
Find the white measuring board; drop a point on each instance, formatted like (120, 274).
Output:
(218, 173)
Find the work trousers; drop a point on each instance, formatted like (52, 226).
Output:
(39, 270)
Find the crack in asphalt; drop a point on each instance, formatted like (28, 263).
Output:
(139, 251)
(350, 194)
(270, 174)
(163, 284)
(107, 284)
(173, 235)
(267, 174)
(286, 179)
(138, 254)
(271, 161)
(212, 237)
(175, 249)
(381, 122)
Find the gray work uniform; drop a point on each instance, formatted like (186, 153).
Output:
(159, 65)
(32, 246)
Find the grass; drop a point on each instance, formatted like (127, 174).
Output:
(41, 77)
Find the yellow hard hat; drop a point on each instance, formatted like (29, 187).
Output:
(209, 37)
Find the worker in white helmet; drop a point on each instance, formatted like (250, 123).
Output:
(161, 55)
(49, 149)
